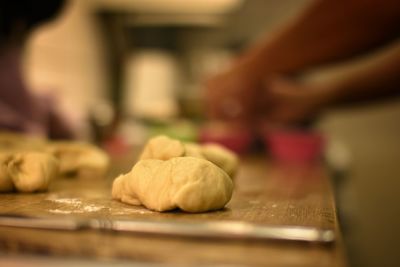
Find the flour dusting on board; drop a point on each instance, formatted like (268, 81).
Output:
(128, 211)
(69, 201)
(72, 205)
(92, 208)
(59, 211)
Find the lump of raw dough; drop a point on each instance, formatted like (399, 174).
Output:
(79, 159)
(193, 150)
(32, 171)
(164, 148)
(222, 157)
(190, 184)
(6, 184)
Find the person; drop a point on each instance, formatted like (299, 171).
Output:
(262, 83)
(265, 85)
(20, 109)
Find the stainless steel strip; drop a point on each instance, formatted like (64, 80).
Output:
(218, 229)
(227, 230)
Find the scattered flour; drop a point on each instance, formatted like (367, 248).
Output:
(92, 208)
(126, 211)
(69, 201)
(73, 205)
(58, 211)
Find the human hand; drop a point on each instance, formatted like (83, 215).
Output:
(233, 94)
(294, 102)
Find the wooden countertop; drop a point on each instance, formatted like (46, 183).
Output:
(265, 193)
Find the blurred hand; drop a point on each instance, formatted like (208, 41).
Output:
(294, 102)
(240, 95)
(232, 95)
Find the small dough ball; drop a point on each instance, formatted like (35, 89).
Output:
(122, 192)
(6, 184)
(222, 157)
(188, 183)
(163, 148)
(80, 159)
(32, 171)
(193, 150)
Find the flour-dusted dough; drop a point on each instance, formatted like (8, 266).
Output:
(164, 148)
(6, 184)
(190, 184)
(222, 157)
(79, 159)
(32, 171)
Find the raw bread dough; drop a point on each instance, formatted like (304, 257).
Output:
(190, 184)
(164, 148)
(79, 159)
(6, 184)
(222, 157)
(32, 171)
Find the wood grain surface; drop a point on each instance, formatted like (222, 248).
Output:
(265, 193)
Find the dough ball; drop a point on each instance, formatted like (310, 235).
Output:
(188, 183)
(222, 157)
(163, 148)
(193, 150)
(80, 159)
(32, 171)
(6, 184)
(122, 192)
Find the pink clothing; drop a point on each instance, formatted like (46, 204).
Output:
(20, 110)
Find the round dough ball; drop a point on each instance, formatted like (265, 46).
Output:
(162, 148)
(80, 159)
(193, 150)
(32, 171)
(122, 191)
(222, 157)
(188, 183)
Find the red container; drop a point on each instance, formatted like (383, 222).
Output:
(295, 146)
(238, 140)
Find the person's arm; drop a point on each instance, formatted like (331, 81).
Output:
(372, 78)
(324, 32)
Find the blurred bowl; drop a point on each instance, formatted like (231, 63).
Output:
(295, 146)
(236, 139)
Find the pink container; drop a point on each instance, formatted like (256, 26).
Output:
(238, 140)
(295, 146)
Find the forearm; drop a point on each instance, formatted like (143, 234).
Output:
(368, 79)
(324, 32)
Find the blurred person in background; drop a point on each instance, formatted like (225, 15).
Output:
(266, 85)
(20, 109)
(261, 84)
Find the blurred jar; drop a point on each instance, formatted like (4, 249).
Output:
(150, 85)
